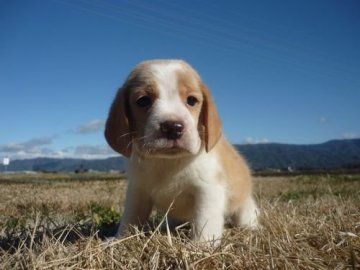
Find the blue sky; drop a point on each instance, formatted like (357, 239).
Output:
(279, 71)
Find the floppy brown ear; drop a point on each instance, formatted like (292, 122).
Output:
(211, 120)
(117, 129)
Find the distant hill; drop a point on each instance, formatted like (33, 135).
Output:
(67, 164)
(334, 154)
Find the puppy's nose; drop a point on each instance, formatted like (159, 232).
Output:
(172, 130)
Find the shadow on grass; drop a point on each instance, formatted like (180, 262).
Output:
(66, 234)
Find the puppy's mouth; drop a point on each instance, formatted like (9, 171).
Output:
(167, 146)
(164, 147)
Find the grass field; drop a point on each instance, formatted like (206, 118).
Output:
(58, 221)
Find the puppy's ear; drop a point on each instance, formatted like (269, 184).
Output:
(117, 129)
(211, 120)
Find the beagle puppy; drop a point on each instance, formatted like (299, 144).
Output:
(164, 120)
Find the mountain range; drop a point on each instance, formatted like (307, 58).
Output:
(335, 154)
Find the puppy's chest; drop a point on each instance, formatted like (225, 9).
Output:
(176, 183)
(174, 188)
(178, 199)
(175, 192)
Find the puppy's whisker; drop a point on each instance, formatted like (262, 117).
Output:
(129, 144)
(123, 136)
(126, 134)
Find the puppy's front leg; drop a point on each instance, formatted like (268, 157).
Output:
(138, 206)
(209, 215)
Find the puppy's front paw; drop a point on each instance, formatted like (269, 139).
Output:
(210, 234)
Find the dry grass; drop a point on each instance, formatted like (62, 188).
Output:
(308, 222)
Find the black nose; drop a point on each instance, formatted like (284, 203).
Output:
(172, 130)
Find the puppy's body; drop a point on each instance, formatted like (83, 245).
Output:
(164, 120)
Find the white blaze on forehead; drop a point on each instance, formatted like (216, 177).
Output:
(166, 78)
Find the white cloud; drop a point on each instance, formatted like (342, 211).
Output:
(91, 127)
(251, 140)
(83, 152)
(93, 151)
(27, 146)
(41, 147)
(323, 120)
(350, 135)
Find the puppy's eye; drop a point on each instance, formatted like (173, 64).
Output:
(144, 101)
(191, 101)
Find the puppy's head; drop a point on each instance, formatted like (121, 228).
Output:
(162, 110)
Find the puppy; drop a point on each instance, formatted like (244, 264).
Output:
(164, 120)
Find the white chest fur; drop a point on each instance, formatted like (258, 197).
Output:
(176, 182)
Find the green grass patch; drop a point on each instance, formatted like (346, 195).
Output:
(103, 214)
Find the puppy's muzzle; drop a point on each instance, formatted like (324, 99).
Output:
(172, 130)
